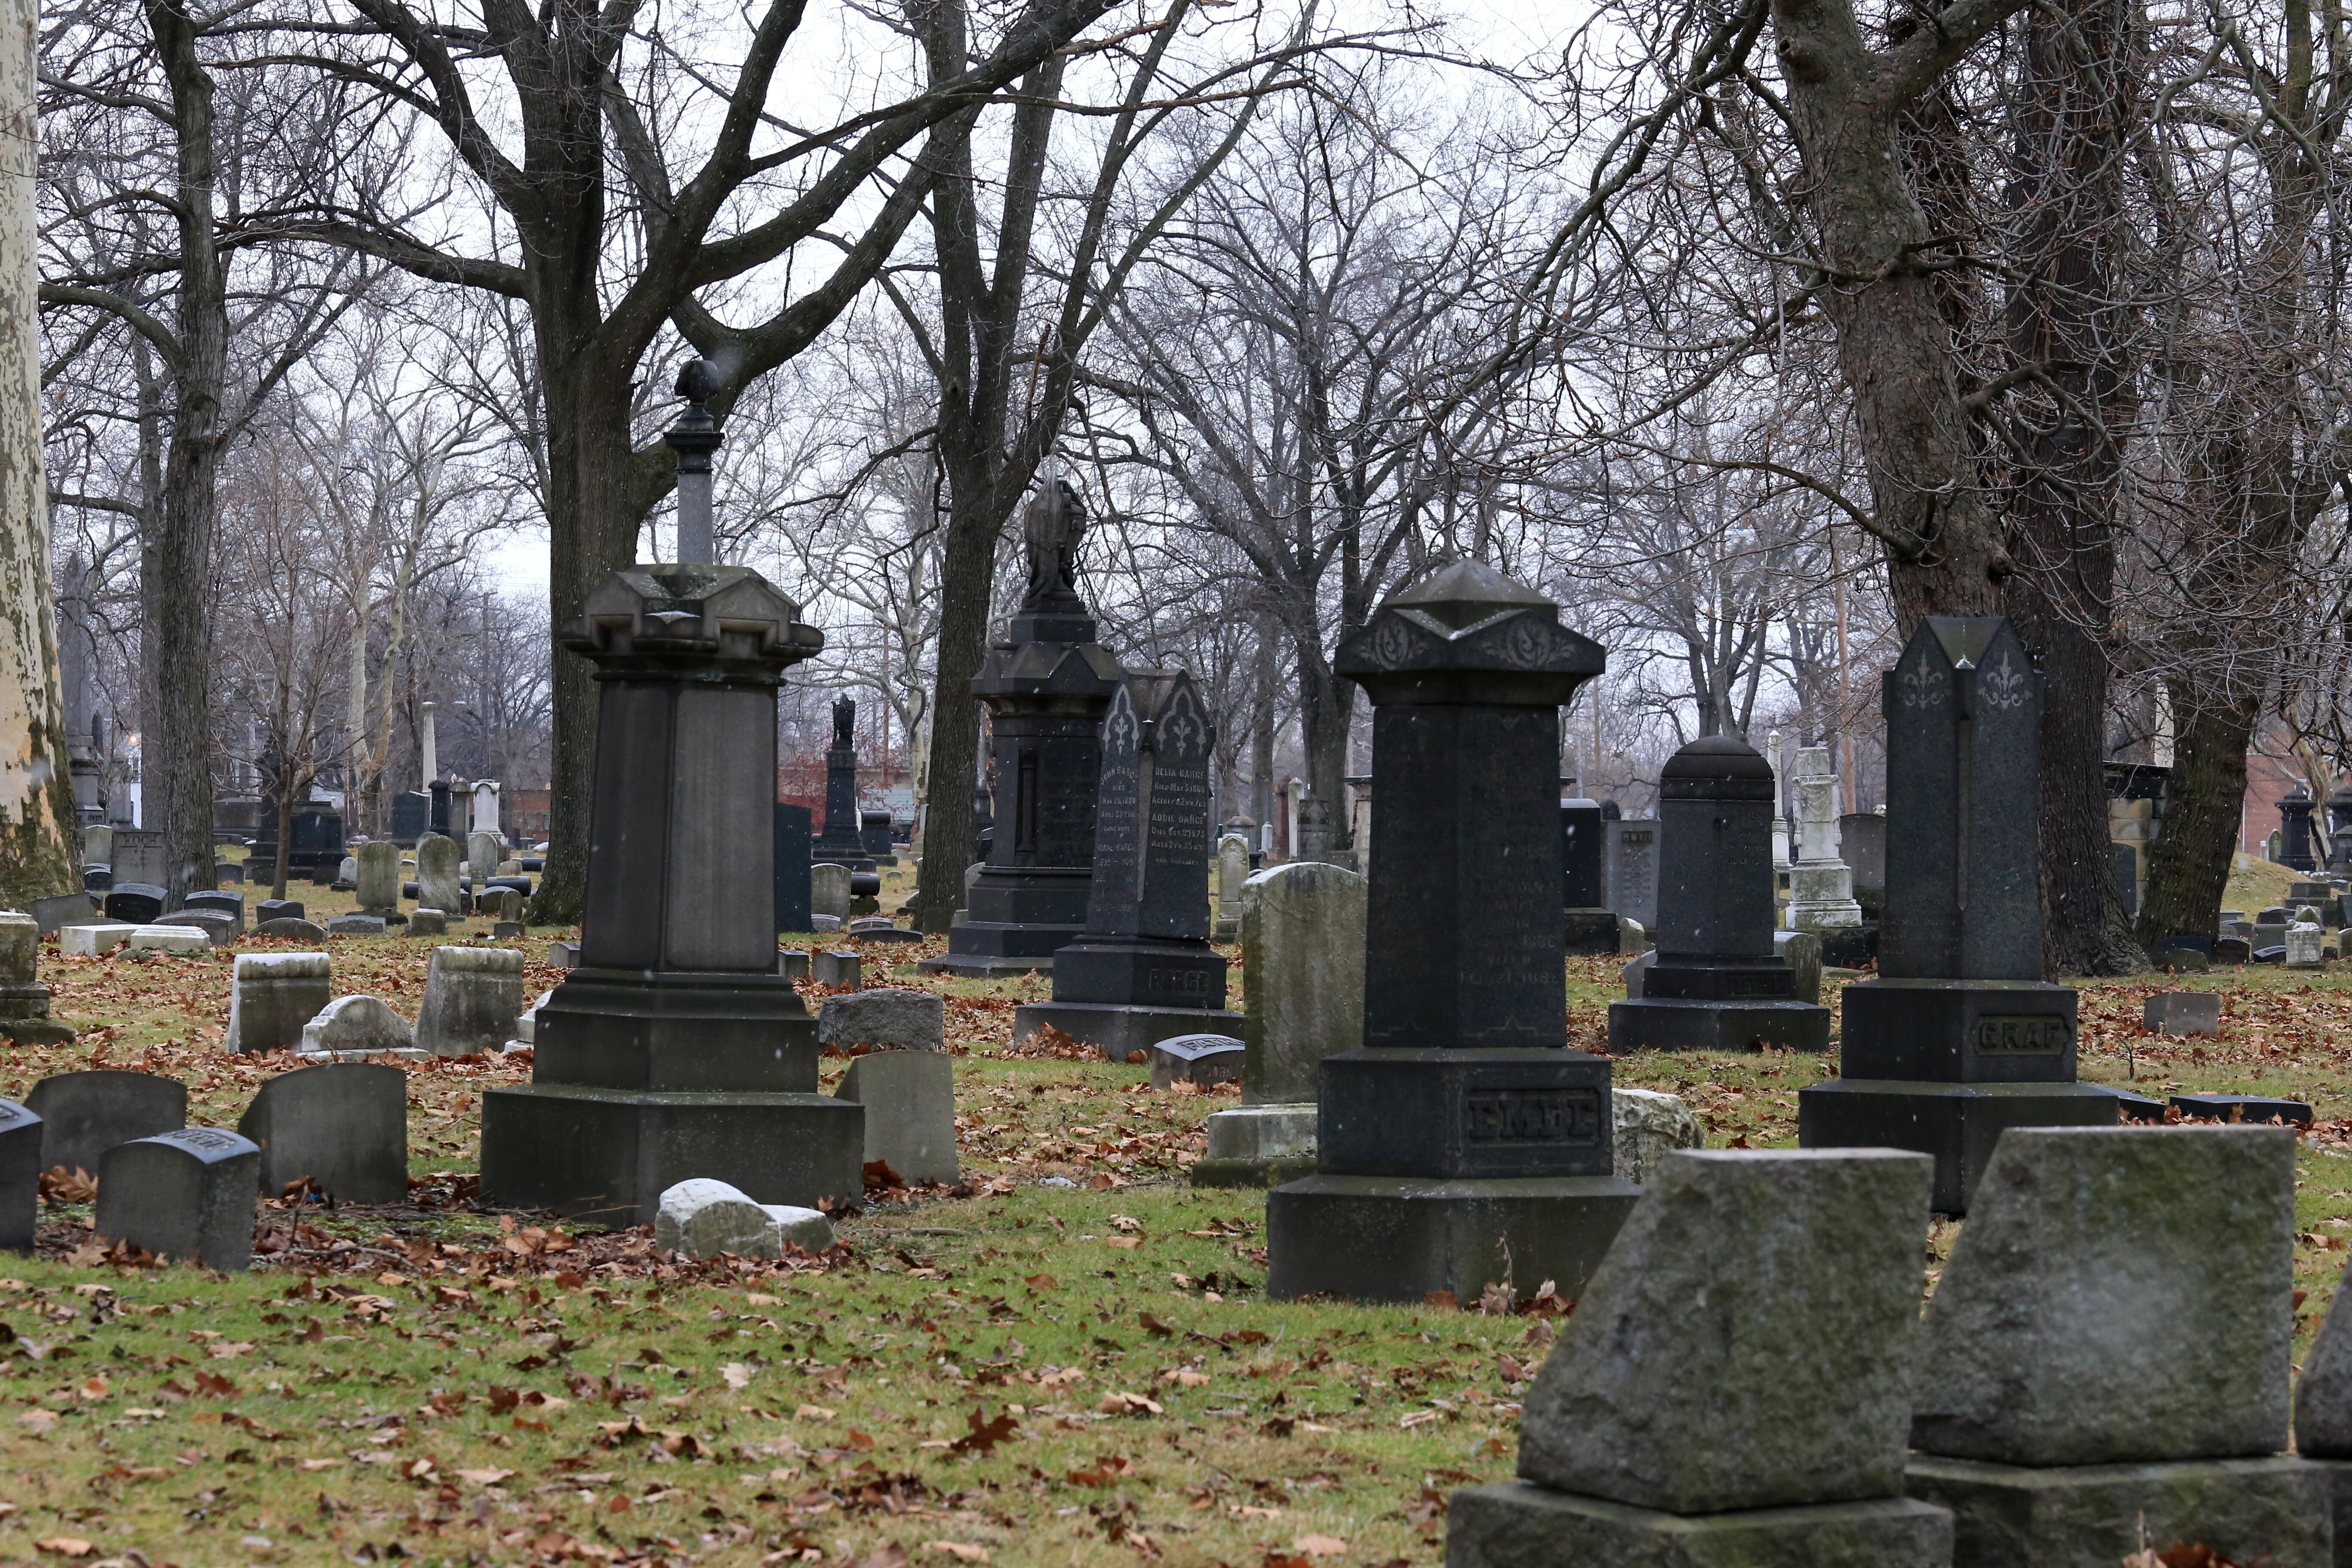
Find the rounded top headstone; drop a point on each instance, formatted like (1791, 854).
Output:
(1717, 767)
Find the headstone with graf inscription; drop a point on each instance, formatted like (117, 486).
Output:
(1957, 1038)
(1463, 1142)
(1143, 969)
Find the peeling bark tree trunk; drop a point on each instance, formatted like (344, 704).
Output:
(37, 836)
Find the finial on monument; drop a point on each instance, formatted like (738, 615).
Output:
(694, 437)
(1052, 526)
(844, 719)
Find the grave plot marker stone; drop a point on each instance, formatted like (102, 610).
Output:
(84, 1114)
(472, 998)
(94, 941)
(54, 914)
(675, 1048)
(1734, 1387)
(1633, 864)
(1302, 1000)
(910, 1101)
(1046, 687)
(1958, 1038)
(835, 968)
(841, 843)
(893, 1018)
(794, 888)
(135, 903)
(378, 878)
(2323, 1411)
(20, 1176)
(186, 1196)
(2092, 1257)
(1462, 1130)
(1820, 885)
(353, 1028)
(24, 1000)
(1143, 969)
(1716, 984)
(272, 995)
(436, 874)
(343, 1126)
(1196, 1058)
(829, 890)
(1232, 874)
(1591, 925)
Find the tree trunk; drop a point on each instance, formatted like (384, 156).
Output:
(39, 842)
(1326, 714)
(2189, 865)
(967, 570)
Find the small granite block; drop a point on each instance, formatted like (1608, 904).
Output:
(220, 927)
(2256, 1108)
(137, 902)
(84, 1114)
(1397, 1238)
(289, 928)
(1648, 1126)
(507, 931)
(2323, 1396)
(1747, 1343)
(563, 954)
(186, 1196)
(346, 1128)
(910, 1101)
(279, 910)
(1258, 1146)
(1197, 1058)
(20, 1176)
(54, 914)
(838, 970)
(703, 1218)
(2248, 1510)
(356, 925)
(1511, 1524)
(2093, 1254)
(472, 997)
(185, 941)
(829, 891)
(791, 963)
(93, 940)
(272, 995)
(2183, 1013)
(422, 922)
(892, 1018)
(824, 922)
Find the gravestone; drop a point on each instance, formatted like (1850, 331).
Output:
(277, 909)
(1232, 873)
(1143, 969)
(347, 874)
(1632, 851)
(1204, 1060)
(793, 964)
(356, 1027)
(229, 904)
(2305, 944)
(2232, 950)
(1735, 1385)
(355, 925)
(272, 995)
(378, 878)
(190, 941)
(841, 842)
(910, 1101)
(137, 857)
(892, 1018)
(874, 836)
(1591, 925)
(1821, 886)
(24, 1000)
(317, 840)
(220, 926)
(483, 853)
(93, 940)
(84, 1114)
(1302, 1000)
(97, 845)
(1645, 1126)
(1716, 984)
(436, 874)
(2107, 1354)
(425, 922)
(2254, 1108)
(2294, 831)
(703, 1218)
(53, 914)
(1801, 952)
(675, 1048)
(472, 997)
(1957, 1037)
(794, 894)
(187, 1196)
(345, 1126)
(412, 816)
(1045, 687)
(285, 930)
(1462, 1132)
(836, 970)
(20, 1176)
(829, 890)
(2323, 1406)
(137, 903)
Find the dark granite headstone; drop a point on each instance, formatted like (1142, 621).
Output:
(277, 909)
(138, 903)
(1584, 885)
(288, 928)
(84, 1114)
(438, 814)
(20, 1176)
(232, 904)
(2244, 1108)
(874, 834)
(2294, 831)
(1957, 1038)
(2232, 950)
(1716, 984)
(1143, 969)
(412, 816)
(1463, 1142)
(675, 1048)
(841, 843)
(792, 864)
(1045, 687)
(1197, 1058)
(343, 1125)
(54, 914)
(318, 840)
(97, 879)
(186, 1196)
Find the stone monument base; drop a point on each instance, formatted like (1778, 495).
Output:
(2076, 1516)
(1591, 932)
(1686, 1024)
(1958, 1123)
(1258, 1146)
(1398, 1238)
(1516, 1524)
(608, 1154)
(984, 950)
(1119, 1028)
(35, 1032)
(676, 1030)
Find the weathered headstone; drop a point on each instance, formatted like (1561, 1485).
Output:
(472, 997)
(1143, 969)
(84, 1114)
(794, 893)
(1584, 878)
(1302, 1000)
(1957, 1037)
(1820, 885)
(272, 995)
(24, 1000)
(137, 857)
(20, 1176)
(354, 1028)
(54, 914)
(1647, 1126)
(675, 1048)
(277, 909)
(95, 940)
(355, 925)
(436, 874)
(1801, 952)
(291, 930)
(841, 843)
(893, 1018)
(227, 903)
(425, 922)
(703, 1218)
(1232, 872)
(378, 878)
(1045, 687)
(2305, 944)
(1203, 1059)
(829, 890)
(97, 845)
(838, 970)
(191, 940)
(2106, 1353)
(345, 1126)
(1632, 861)
(1735, 1384)
(910, 1101)
(2183, 1013)
(187, 1196)
(1862, 840)
(138, 904)
(1462, 1131)
(1717, 984)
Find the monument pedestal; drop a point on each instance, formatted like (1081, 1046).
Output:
(2075, 1516)
(1258, 1146)
(1517, 1524)
(1397, 1238)
(1955, 1123)
(1120, 1028)
(1591, 932)
(1686, 1024)
(1016, 919)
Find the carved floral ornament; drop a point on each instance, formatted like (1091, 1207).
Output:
(1519, 638)
(2004, 684)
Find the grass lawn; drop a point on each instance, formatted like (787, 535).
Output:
(1083, 1374)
